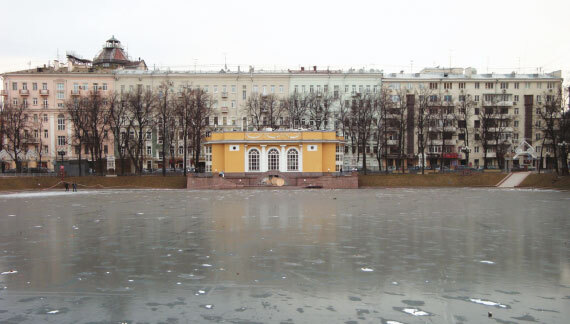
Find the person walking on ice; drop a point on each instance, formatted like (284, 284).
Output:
(74, 186)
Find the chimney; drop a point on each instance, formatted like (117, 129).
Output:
(314, 68)
(55, 65)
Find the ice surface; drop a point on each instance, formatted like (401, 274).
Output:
(366, 256)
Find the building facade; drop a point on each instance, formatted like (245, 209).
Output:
(278, 151)
(462, 103)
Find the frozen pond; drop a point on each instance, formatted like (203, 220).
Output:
(291, 256)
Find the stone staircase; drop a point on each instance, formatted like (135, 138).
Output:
(513, 179)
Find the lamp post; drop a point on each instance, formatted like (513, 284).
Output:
(466, 150)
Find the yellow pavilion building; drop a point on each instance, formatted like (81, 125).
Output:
(279, 151)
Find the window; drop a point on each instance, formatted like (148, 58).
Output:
(104, 87)
(255, 90)
(476, 98)
(550, 85)
(273, 159)
(538, 111)
(346, 89)
(60, 122)
(516, 136)
(516, 123)
(516, 111)
(14, 85)
(311, 90)
(215, 89)
(272, 89)
(461, 85)
(462, 98)
(35, 86)
(476, 85)
(433, 85)
(244, 94)
(477, 123)
(15, 101)
(476, 149)
(46, 134)
(516, 97)
(253, 160)
(447, 85)
(292, 160)
(61, 140)
(35, 101)
(538, 98)
(537, 136)
(539, 85)
(488, 85)
(504, 85)
(447, 98)
(516, 85)
(527, 85)
(45, 118)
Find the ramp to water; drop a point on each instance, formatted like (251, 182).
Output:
(513, 179)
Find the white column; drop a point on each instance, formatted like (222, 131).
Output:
(263, 159)
(301, 158)
(246, 161)
(282, 160)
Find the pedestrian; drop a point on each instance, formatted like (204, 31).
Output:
(74, 186)
(66, 186)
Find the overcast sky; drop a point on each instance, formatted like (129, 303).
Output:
(498, 35)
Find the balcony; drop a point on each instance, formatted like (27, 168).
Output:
(76, 92)
(392, 142)
(31, 139)
(24, 92)
(224, 94)
(44, 92)
(224, 109)
(3, 93)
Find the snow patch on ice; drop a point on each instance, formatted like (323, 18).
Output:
(486, 302)
(206, 265)
(53, 311)
(9, 272)
(393, 322)
(487, 262)
(415, 312)
(366, 269)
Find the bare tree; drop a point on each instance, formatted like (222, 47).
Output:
(118, 122)
(201, 109)
(362, 114)
(295, 108)
(15, 128)
(165, 117)
(264, 110)
(140, 105)
(319, 108)
(183, 110)
(77, 111)
(401, 114)
(464, 114)
(422, 123)
(553, 123)
(382, 125)
(97, 127)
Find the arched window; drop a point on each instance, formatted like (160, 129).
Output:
(292, 160)
(253, 159)
(273, 159)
